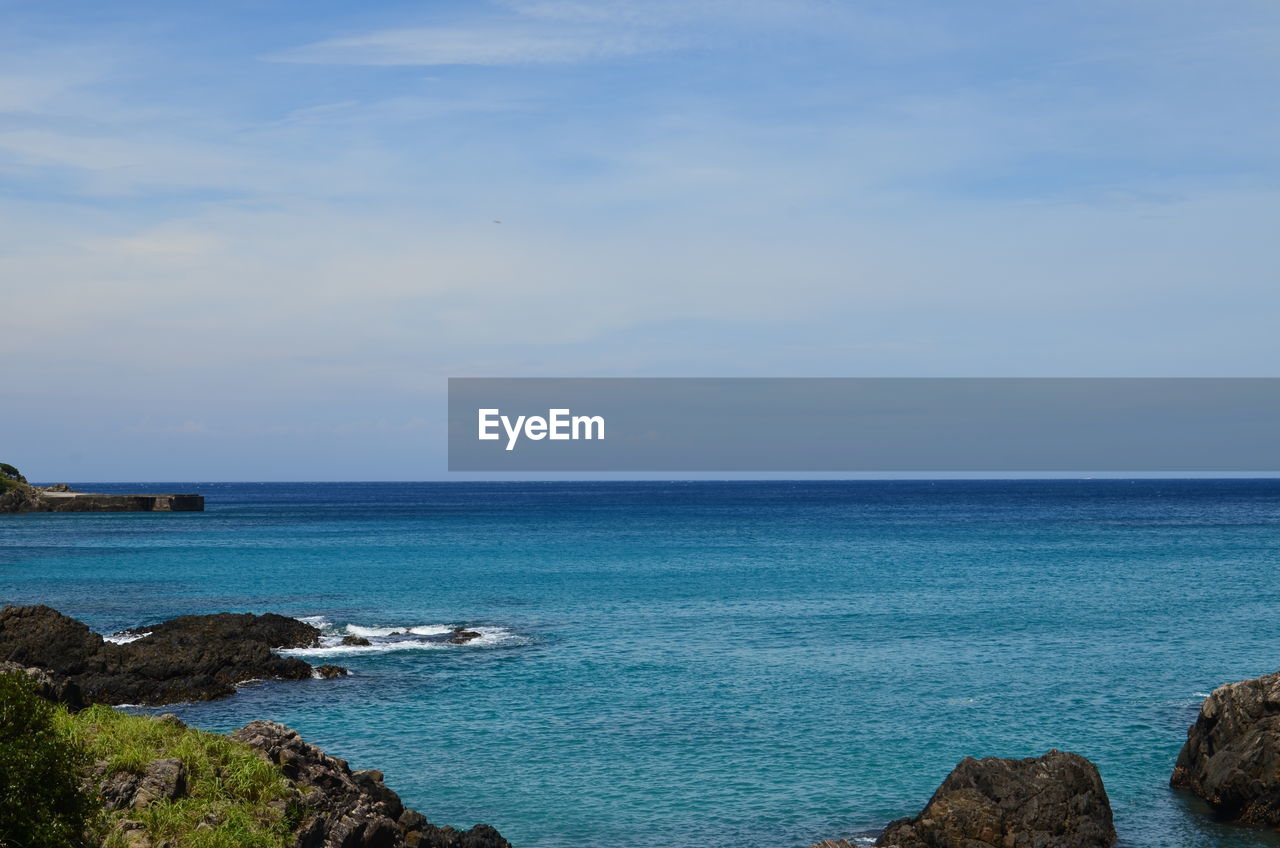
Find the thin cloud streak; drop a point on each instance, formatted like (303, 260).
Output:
(500, 45)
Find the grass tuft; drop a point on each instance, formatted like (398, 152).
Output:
(234, 799)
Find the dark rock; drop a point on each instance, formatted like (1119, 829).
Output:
(192, 658)
(163, 780)
(461, 636)
(274, 631)
(1232, 754)
(356, 641)
(42, 636)
(341, 808)
(328, 672)
(480, 836)
(1053, 801)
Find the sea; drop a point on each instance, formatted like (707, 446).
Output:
(681, 664)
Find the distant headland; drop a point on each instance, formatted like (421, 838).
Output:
(17, 495)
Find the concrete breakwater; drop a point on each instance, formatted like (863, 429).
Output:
(94, 502)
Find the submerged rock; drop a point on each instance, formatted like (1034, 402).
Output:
(1053, 801)
(461, 636)
(191, 658)
(341, 808)
(329, 672)
(1232, 754)
(356, 641)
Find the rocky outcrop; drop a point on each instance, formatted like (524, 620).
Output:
(461, 636)
(1232, 754)
(341, 808)
(278, 631)
(21, 498)
(192, 658)
(1053, 801)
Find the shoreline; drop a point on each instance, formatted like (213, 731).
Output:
(1030, 796)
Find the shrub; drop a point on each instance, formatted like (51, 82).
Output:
(42, 801)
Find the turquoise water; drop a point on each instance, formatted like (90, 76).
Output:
(681, 664)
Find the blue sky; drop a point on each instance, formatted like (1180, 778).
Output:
(250, 241)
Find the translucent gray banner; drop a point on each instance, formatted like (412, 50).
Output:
(865, 424)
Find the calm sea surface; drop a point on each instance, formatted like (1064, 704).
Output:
(684, 664)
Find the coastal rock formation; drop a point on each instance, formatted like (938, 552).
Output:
(192, 658)
(355, 642)
(1053, 801)
(1232, 754)
(277, 631)
(341, 808)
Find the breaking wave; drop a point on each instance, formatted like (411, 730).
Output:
(405, 637)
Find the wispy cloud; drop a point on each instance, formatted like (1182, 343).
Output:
(525, 32)
(685, 186)
(500, 44)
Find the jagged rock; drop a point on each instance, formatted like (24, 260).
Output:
(341, 808)
(356, 641)
(49, 685)
(163, 780)
(1053, 801)
(192, 658)
(328, 672)
(1232, 754)
(461, 636)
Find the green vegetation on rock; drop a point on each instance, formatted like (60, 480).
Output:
(227, 796)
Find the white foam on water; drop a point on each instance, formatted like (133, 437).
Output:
(124, 638)
(384, 640)
(367, 632)
(1200, 694)
(492, 636)
(317, 621)
(376, 648)
(431, 629)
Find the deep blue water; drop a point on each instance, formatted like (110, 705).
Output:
(683, 664)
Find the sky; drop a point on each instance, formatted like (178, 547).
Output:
(251, 240)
